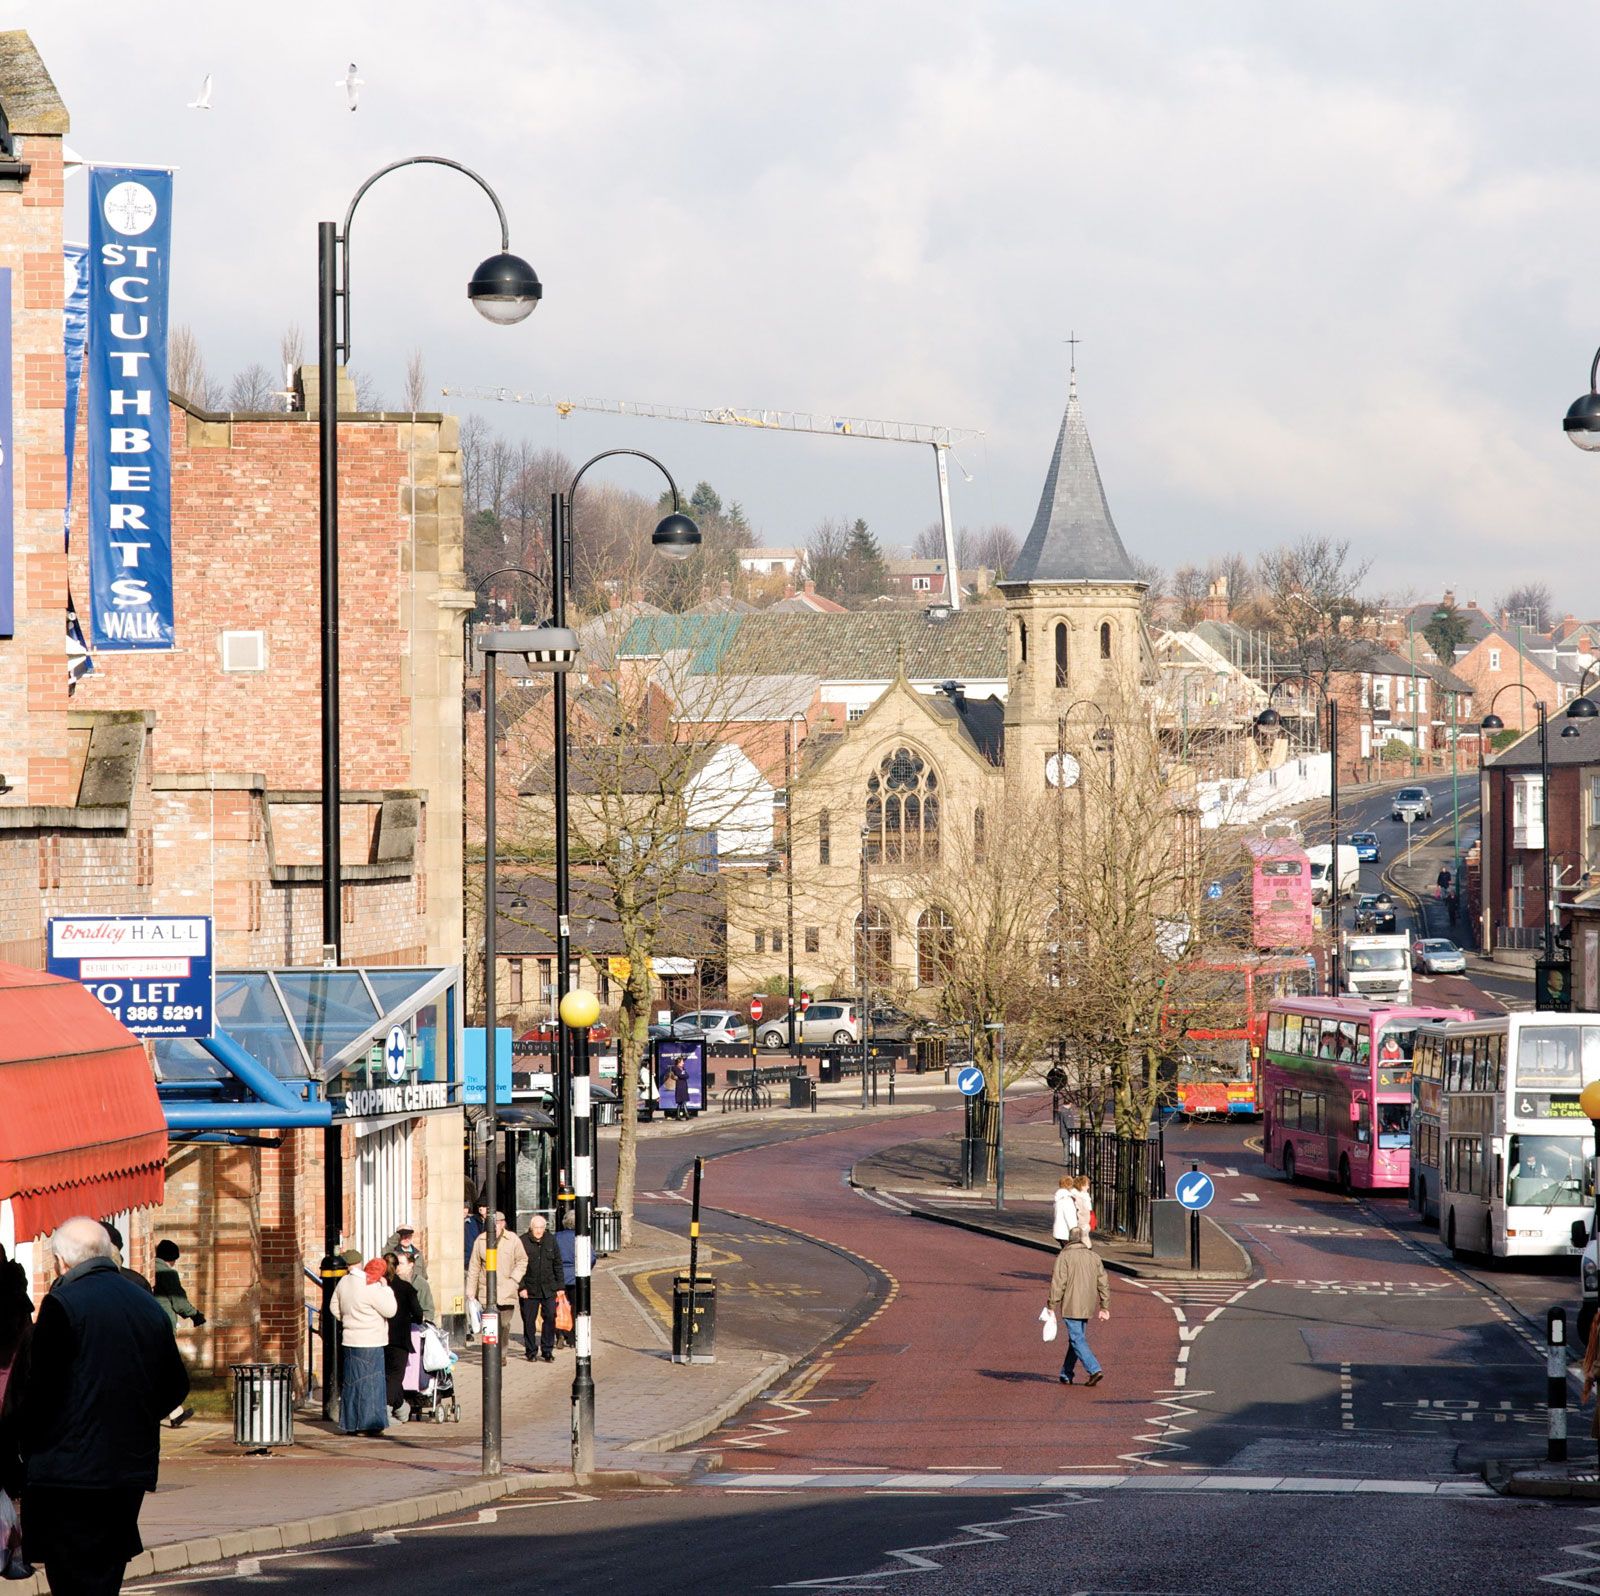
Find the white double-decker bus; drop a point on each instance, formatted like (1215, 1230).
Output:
(1500, 1150)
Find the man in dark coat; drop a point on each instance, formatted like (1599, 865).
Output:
(105, 1371)
(540, 1285)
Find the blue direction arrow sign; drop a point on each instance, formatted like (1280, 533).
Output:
(1194, 1191)
(970, 1081)
(1214, 891)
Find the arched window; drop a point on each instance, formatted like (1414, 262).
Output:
(1105, 640)
(979, 841)
(936, 943)
(824, 838)
(877, 944)
(1061, 653)
(902, 811)
(1022, 638)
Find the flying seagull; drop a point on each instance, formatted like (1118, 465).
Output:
(203, 102)
(351, 85)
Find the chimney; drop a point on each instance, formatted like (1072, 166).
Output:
(1449, 600)
(788, 590)
(616, 600)
(727, 588)
(1504, 619)
(955, 692)
(1214, 607)
(811, 587)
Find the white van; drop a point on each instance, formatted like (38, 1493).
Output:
(1321, 857)
(1377, 966)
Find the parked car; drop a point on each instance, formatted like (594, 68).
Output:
(834, 1020)
(1366, 846)
(1437, 956)
(712, 1025)
(600, 1032)
(1412, 804)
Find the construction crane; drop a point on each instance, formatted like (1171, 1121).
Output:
(939, 439)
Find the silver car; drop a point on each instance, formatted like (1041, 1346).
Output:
(833, 1020)
(1412, 804)
(1437, 956)
(712, 1025)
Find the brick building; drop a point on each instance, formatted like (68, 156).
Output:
(187, 781)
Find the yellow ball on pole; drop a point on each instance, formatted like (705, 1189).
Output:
(579, 1010)
(1589, 1100)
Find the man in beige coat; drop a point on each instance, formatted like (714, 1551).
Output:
(511, 1264)
(1079, 1289)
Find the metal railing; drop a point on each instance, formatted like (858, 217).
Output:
(1125, 1177)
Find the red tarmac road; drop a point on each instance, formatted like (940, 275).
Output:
(951, 1371)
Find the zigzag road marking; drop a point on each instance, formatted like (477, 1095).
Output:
(1586, 1577)
(924, 1560)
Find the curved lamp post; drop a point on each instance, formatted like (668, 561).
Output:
(1269, 720)
(551, 649)
(1491, 722)
(579, 1010)
(675, 538)
(505, 289)
(1582, 421)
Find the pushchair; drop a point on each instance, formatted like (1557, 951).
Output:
(429, 1381)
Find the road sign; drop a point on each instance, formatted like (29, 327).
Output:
(1194, 1191)
(1214, 891)
(969, 1082)
(755, 1008)
(805, 1001)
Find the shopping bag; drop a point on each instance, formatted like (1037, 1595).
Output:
(1048, 1320)
(563, 1313)
(474, 1316)
(435, 1350)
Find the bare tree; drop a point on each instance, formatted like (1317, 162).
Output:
(1531, 603)
(416, 389)
(1313, 588)
(292, 346)
(253, 389)
(1239, 580)
(369, 395)
(186, 370)
(1188, 588)
(825, 556)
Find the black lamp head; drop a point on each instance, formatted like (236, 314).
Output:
(1269, 719)
(1582, 709)
(1572, 731)
(1492, 722)
(1582, 423)
(505, 289)
(675, 536)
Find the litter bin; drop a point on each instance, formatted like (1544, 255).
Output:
(607, 1230)
(802, 1092)
(694, 1338)
(828, 1065)
(263, 1405)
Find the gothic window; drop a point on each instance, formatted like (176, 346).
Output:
(1061, 653)
(1022, 638)
(936, 939)
(824, 841)
(879, 945)
(1105, 640)
(901, 822)
(980, 842)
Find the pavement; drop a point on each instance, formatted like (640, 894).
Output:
(215, 1501)
(923, 1177)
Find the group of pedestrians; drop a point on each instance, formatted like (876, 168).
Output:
(1079, 1290)
(381, 1304)
(534, 1273)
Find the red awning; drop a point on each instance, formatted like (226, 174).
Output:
(81, 1127)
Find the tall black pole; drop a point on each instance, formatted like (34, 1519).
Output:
(328, 455)
(583, 1263)
(1544, 812)
(788, 867)
(490, 1346)
(1333, 813)
(560, 513)
(866, 971)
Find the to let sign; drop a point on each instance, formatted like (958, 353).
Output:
(152, 971)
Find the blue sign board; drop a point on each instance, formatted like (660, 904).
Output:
(969, 1082)
(475, 1067)
(152, 971)
(129, 423)
(1194, 1190)
(681, 1061)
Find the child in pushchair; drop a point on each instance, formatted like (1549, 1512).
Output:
(429, 1380)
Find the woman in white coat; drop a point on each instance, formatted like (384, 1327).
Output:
(363, 1304)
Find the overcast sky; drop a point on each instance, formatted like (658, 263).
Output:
(1332, 266)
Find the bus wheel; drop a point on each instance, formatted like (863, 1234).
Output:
(1450, 1235)
(1288, 1161)
(1344, 1178)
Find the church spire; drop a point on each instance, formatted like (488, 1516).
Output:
(1073, 538)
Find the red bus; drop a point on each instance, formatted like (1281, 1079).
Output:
(1280, 893)
(1223, 1019)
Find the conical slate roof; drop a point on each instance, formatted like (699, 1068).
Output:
(1073, 538)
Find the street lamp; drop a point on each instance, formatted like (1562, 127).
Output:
(674, 538)
(579, 1010)
(550, 649)
(1491, 722)
(1269, 720)
(505, 289)
(1582, 421)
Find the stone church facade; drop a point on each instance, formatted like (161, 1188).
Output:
(884, 809)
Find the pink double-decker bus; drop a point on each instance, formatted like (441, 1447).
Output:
(1336, 1090)
(1280, 894)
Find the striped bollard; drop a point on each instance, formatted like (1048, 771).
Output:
(579, 1010)
(1556, 1384)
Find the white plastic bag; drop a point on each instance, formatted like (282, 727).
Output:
(474, 1316)
(435, 1350)
(1048, 1320)
(10, 1532)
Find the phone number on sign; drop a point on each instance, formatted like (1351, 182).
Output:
(162, 1011)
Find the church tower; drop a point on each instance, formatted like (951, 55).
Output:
(1075, 640)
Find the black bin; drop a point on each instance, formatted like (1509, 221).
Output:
(828, 1060)
(802, 1092)
(694, 1335)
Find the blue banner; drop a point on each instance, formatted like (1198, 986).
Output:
(8, 543)
(475, 1065)
(75, 258)
(130, 432)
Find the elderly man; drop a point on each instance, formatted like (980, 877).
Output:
(105, 1372)
(1078, 1289)
(544, 1281)
(511, 1263)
